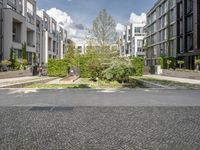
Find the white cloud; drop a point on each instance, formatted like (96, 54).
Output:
(40, 12)
(134, 18)
(61, 17)
(120, 27)
(76, 32)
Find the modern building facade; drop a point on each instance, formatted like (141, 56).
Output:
(132, 39)
(161, 31)
(188, 32)
(173, 30)
(19, 24)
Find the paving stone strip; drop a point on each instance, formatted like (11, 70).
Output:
(22, 83)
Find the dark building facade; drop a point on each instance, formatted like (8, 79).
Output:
(188, 32)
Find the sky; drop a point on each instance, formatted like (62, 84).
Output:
(76, 15)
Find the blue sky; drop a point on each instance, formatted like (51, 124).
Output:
(85, 11)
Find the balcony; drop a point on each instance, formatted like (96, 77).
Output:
(30, 38)
(16, 31)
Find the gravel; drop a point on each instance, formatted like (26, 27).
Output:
(100, 128)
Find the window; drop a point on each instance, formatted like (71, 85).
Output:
(140, 43)
(13, 2)
(189, 42)
(138, 30)
(54, 27)
(179, 10)
(189, 24)
(30, 8)
(29, 56)
(189, 6)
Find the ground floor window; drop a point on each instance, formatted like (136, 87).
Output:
(29, 58)
(18, 53)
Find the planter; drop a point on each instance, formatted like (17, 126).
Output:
(181, 74)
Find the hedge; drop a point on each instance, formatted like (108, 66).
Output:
(84, 67)
(163, 62)
(57, 68)
(138, 65)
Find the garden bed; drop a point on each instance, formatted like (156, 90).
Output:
(87, 83)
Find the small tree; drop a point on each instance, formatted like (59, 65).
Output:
(12, 58)
(24, 56)
(34, 58)
(24, 63)
(104, 28)
(180, 63)
(168, 63)
(197, 62)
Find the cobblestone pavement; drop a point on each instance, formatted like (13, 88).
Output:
(100, 128)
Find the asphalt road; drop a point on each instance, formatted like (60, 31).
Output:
(85, 119)
(89, 97)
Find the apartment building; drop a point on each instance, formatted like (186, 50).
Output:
(132, 39)
(188, 32)
(51, 38)
(19, 24)
(161, 31)
(18, 27)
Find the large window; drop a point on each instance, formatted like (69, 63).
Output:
(189, 23)
(189, 42)
(138, 30)
(30, 8)
(140, 43)
(13, 2)
(189, 5)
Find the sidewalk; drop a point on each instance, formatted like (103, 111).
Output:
(11, 82)
(182, 80)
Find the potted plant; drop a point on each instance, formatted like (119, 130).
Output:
(197, 63)
(5, 64)
(180, 63)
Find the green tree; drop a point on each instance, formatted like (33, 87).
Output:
(34, 58)
(104, 28)
(12, 57)
(71, 55)
(24, 56)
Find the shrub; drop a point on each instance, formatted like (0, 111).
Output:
(84, 66)
(95, 69)
(197, 62)
(57, 68)
(118, 71)
(5, 63)
(167, 62)
(138, 65)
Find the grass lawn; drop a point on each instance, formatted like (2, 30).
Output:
(87, 83)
